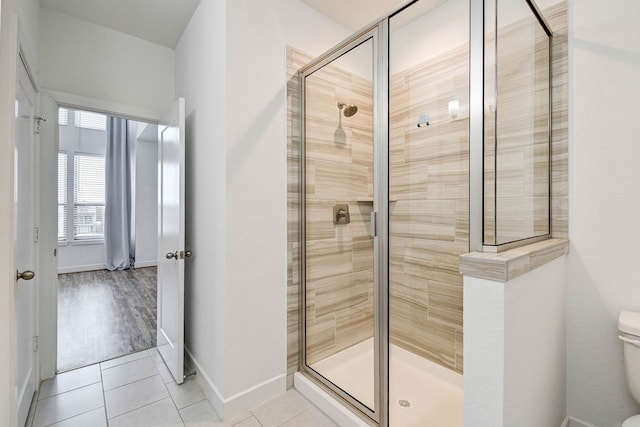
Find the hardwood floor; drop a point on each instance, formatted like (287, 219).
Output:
(105, 314)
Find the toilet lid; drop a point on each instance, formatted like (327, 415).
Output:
(632, 422)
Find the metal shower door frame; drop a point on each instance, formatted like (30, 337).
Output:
(377, 33)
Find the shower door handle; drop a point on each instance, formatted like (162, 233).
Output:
(374, 231)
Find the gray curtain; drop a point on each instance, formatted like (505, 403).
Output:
(119, 232)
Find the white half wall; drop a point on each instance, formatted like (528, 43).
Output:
(230, 68)
(604, 53)
(514, 366)
(87, 60)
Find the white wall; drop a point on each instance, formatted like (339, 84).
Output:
(515, 349)
(84, 59)
(200, 79)
(233, 80)
(146, 194)
(604, 204)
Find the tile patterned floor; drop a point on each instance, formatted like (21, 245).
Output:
(137, 391)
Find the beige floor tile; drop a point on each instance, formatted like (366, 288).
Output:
(95, 418)
(311, 417)
(70, 381)
(66, 405)
(249, 422)
(124, 359)
(280, 409)
(185, 394)
(162, 413)
(127, 373)
(135, 395)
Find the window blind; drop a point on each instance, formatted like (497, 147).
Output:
(63, 116)
(90, 120)
(88, 208)
(62, 196)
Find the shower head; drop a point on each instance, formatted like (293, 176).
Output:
(350, 110)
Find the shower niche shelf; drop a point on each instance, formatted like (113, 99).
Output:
(370, 200)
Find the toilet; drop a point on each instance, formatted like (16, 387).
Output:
(629, 326)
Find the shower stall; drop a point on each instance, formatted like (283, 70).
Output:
(388, 196)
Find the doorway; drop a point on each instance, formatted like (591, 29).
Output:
(106, 308)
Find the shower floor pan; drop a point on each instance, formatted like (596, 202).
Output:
(422, 393)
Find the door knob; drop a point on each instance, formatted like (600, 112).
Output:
(188, 254)
(171, 255)
(25, 275)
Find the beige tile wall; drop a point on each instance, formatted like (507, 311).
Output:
(557, 18)
(339, 169)
(429, 224)
(339, 258)
(522, 193)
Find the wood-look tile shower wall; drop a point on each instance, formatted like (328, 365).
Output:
(516, 151)
(429, 209)
(339, 169)
(339, 258)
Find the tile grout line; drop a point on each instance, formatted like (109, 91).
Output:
(140, 407)
(104, 398)
(174, 403)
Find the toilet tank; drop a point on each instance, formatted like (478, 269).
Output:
(629, 325)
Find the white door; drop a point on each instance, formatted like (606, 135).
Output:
(171, 251)
(24, 245)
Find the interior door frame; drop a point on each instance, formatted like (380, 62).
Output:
(48, 297)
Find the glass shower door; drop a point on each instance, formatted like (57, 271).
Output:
(428, 210)
(338, 201)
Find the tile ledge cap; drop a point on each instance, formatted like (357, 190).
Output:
(515, 262)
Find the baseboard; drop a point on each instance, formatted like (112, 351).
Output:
(94, 267)
(141, 264)
(240, 402)
(205, 383)
(327, 404)
(80, 268)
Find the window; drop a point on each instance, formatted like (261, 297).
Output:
(81, 175)
(89, 120)
(63, 116)
(88, 194)
(62, 196)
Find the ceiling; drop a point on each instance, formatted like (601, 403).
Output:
(158, 21)
(163, 21)
(353, 14)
